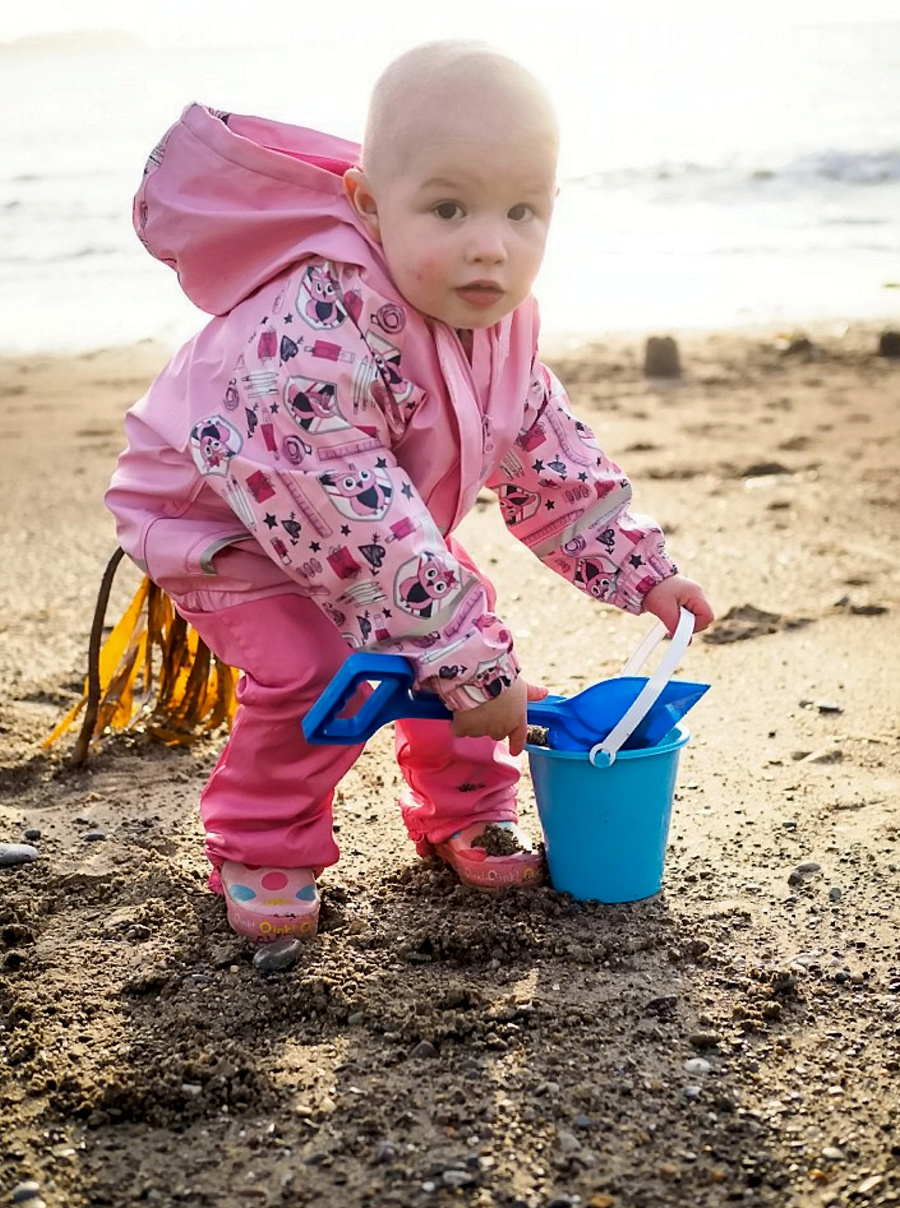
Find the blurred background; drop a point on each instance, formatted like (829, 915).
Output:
(716, 171)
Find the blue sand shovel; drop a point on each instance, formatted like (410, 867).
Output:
(625, 712)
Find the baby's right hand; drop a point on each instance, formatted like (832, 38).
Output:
(503, 717)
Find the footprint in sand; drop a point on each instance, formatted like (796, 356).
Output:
(745, 621)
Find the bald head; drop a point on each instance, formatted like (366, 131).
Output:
(450, 89)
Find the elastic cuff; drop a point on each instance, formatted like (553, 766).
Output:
(492, 679)
(630, 596)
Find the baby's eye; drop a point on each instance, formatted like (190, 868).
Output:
(448, 210)
(520, 212)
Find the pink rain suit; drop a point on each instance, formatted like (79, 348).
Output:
(293, 478)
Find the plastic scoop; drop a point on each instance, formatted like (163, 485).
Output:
(628, 710)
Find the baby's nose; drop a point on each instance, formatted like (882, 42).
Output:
(487, 244)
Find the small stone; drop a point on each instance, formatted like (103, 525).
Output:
(828, 706)
(834, 893)
(704, 1040)
(561, 1201)
(583, 1122)
(889, 344)
(869, 1184)
(279, 955)
(697, 1065)
(32, 833)
(808, 867)
(25, 1192)
(457, 1178)
(17, 853)
(95, 836)
(428, 1187)
(692, 1092)
(356, 1018)
(567, 1141)
(423, 1051)
(833, 1154)
(823, 755)
(386, 1152)
(661, 359)
(191, 1089)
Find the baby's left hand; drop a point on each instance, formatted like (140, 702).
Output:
(666, 599)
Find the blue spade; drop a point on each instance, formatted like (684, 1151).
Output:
(625, 712)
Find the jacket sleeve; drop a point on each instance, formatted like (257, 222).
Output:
(564, 499)
(302, 453)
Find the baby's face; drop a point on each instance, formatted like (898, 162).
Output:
(464, 220)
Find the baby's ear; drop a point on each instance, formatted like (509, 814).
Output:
(362, 199)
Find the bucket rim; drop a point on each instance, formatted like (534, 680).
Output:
(677, 737)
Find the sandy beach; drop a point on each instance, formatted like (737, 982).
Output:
(735, 1040)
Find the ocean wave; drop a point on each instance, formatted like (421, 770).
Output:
(828, 166)
(847, 167)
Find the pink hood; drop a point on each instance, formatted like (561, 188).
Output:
(229, 202)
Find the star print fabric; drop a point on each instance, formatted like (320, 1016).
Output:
(562, 497)
(303, 454)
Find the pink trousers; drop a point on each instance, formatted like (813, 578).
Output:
(268, 800)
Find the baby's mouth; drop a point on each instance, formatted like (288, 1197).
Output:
(480, 293)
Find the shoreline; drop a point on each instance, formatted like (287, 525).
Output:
(150, 350)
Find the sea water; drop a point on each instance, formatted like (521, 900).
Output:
(708, 179)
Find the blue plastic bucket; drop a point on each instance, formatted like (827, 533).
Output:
(606, 828)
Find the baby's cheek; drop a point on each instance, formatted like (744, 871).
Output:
(430, 270)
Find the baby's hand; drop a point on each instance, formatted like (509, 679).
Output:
(503, 717)
(667, 598)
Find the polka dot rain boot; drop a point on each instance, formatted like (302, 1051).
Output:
(492, 855)
(268, 903)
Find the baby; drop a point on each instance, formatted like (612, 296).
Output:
(294, 476)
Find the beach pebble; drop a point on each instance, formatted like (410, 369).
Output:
(889, 344)
(692, 1092)
(95, 836)
(704, 1040)
(834, 893)
(32, 833)
(833, 1154)
(661, 359)
(281, 954)
(799, 875)
(697, 1065)
(567, 1141)
(424, 1051)
(17, 853)
(27, 1193)
(457, 1178)
(829, 706)
(823, 755)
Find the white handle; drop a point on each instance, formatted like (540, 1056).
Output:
(603, 753)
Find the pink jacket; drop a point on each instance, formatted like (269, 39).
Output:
(318, 420)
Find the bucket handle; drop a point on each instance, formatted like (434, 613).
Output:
(603, 754)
